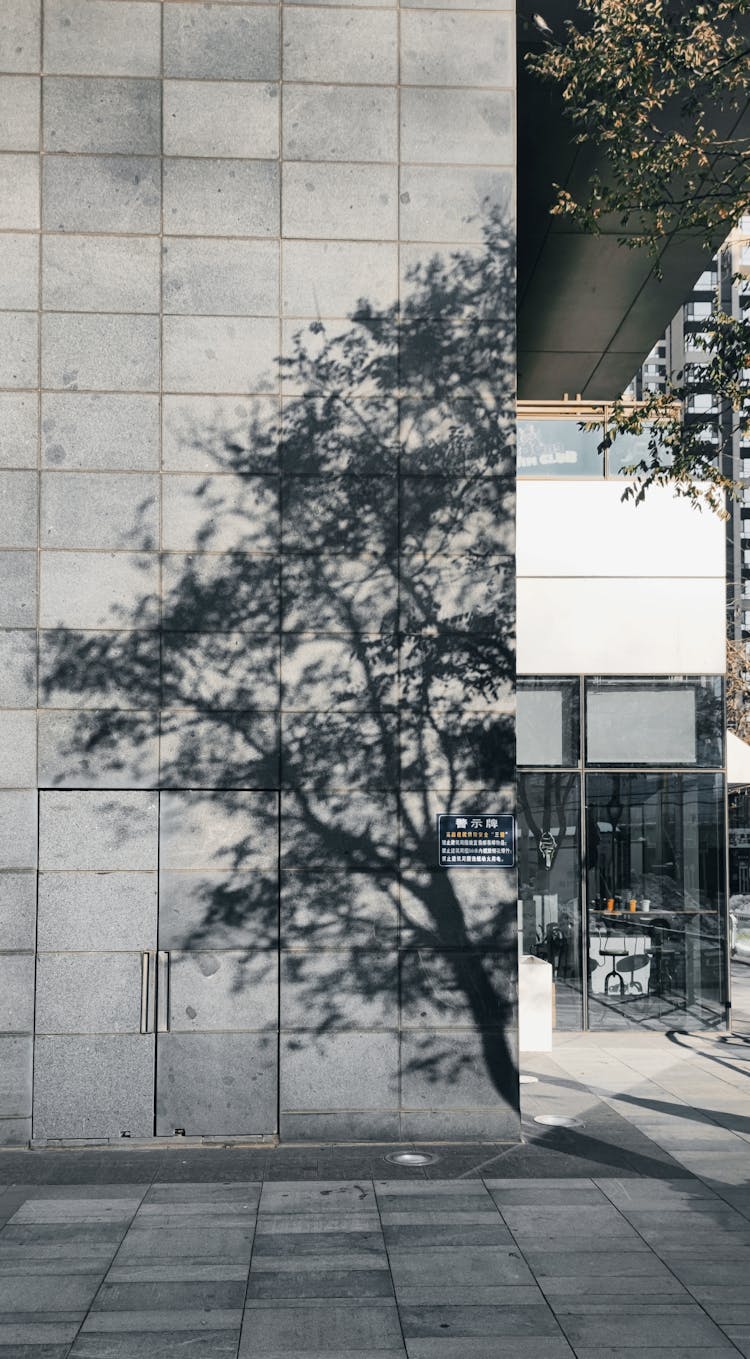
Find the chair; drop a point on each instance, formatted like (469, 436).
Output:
(613, 946)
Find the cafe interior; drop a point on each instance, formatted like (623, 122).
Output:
(622, 848)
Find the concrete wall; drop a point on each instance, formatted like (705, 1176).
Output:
(609, 588)
(257, 619)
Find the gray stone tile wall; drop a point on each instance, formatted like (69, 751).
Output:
(280, 593)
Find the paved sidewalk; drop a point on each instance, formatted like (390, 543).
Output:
(628, 1236)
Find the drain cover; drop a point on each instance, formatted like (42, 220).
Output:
(558, 1121)
(528, 1080)
(411, 1158)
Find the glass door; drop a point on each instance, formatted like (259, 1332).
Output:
(549, 864)
(655, 848)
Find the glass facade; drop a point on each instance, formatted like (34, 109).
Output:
(656, 722)
(549, 447)
(622, 869)
(558, 448)
(549, 872)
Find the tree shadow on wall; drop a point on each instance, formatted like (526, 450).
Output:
(336, 622)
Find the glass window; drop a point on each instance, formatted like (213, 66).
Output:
(549, 878)
(655, 874)
(547, 722)
(558, 448)
(698, 311)
(653, 721)
(626, 450)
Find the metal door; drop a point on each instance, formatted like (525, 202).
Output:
(182, 982)
(217, 965)
(96, 929)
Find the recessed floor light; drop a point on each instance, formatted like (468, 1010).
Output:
(411, 1158)
(558, 1121)
(528, 1080)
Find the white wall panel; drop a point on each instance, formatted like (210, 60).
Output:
(584, 529)
(614, 626)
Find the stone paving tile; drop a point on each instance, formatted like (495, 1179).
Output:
(210, 1212)
(449, 1321)
(189, 1319)
(669, 1241)
(156, 1345)
(305, 1224)
(727, 1314)
(443, 1230)
(451, 1197)
(590, 1264)
(463, 1294)
(497, 1347)
(232, 1195)
(34, 1351)
(543, 1194)
(170, 1295)
(659, 1352)
(275, 1248)
(86, 1191)
(86, 1168)
(192, 1241)
(33, 1236)
(29, 1266)
(69, 1259)
(740, 1337)
(635, 1327)
(323, 1197)
(323, 1325)
(337, 1260)
(565, 1228)
(458, 1218)
(55, 1293)
(473, 1266)
(609, 1290)
(660, 1193)
(176, 1271)
(703, 1271)
(364, 1353)
(76, 1211)
(51, 1331)
(319, 1283)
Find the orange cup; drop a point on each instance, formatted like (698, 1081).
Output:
(633, 904)
(611, 904)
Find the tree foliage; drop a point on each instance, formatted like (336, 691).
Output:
(688, 449)
(659, 88)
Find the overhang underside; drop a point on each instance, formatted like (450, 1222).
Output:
(589, 307)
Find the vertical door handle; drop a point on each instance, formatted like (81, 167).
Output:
(146, 971)
(162, 991)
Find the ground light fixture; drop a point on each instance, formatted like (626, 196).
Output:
(558, 1121)
(527, 1080)
(411, 1158)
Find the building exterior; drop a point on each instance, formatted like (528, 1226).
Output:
(257, 617)
(621, 751)
(257, 518)
(676, 352)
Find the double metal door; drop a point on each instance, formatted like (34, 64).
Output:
(157, 966)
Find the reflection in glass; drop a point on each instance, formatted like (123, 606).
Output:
(739, 873)
(547, 722)
(558, 448)
(549, 867)
(655, 877)
(652, 721)
(628, 449)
